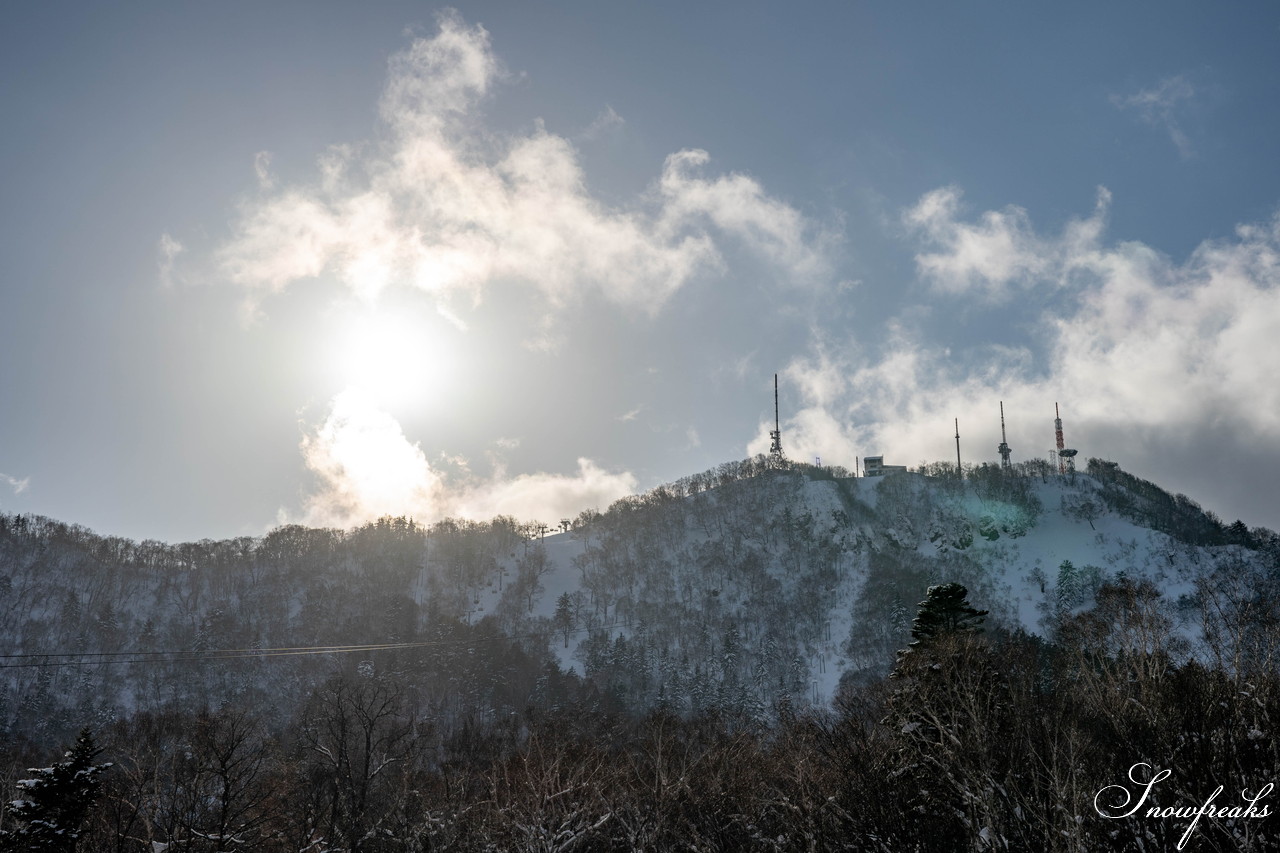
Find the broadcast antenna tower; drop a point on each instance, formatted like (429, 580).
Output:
(1066, 456)
(775, 449)
(1004, 449)
(959, 470)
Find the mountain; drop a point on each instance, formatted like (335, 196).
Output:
(763, 657)
(741, 587)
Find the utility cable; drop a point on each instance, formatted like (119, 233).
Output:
(197, 655)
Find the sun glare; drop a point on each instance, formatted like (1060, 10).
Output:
(394, 359)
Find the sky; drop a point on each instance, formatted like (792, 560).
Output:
(309, 262)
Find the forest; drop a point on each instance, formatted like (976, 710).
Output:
(401, 687)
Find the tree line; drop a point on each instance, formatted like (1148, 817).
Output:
(977, 739)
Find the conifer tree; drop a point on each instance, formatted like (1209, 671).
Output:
(52, 805)
(945, 610)
(947, 714)
(563, 618)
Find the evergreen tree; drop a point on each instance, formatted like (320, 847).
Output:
(945, 610)
(945, 713)
(563, 618)
(52, 805)
(1068, 585)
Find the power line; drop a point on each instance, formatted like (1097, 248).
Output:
(332, 646)
(107, 658)
(196, 655)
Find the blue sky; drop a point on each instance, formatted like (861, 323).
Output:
(316, 262)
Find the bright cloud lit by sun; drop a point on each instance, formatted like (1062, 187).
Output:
(367, 466)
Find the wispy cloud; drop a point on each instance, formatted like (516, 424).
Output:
(443, 205)
(167, 251)
(262, 168)
(18, 485)
(605, 123)
(1000, 252)
(1160, 106)
(631, 415)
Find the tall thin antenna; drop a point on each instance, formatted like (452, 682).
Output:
(1066, 456)
(775, 449)
(1004, 449)
(958, 468)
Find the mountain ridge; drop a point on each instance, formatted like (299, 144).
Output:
(743, 586)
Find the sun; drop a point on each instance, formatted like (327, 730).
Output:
(393, 357)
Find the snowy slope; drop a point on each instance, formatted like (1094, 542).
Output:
(789, 580)
(740, 587)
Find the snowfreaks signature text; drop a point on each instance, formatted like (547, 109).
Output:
(1123, 796)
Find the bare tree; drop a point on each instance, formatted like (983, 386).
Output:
(356, 733)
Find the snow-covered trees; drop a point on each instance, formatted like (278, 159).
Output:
(701, 619)
(51, 806)
(992, 742)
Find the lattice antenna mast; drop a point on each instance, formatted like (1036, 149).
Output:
(1057, 433)
(1066, 456)
(1004, 450)
(775, 449)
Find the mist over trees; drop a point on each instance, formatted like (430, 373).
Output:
(758, 657)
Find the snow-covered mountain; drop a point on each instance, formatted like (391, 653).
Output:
(743, 586)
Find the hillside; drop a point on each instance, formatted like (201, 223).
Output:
(736, 661)
(737, 588)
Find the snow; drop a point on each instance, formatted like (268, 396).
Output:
(1112, 544)
(782, 558)
(561, 550)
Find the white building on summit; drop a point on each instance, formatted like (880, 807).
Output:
(873, 466)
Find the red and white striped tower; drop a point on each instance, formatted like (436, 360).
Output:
(1057, 431)
(1066, 456)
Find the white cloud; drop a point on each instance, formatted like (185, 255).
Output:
(450, 208)
(999, 251)
(545, 496)
(1159, 107)
(18, 485)
(1153, 351)
(1156, 343)
(167, 251)
(738, 205)
(366, 468)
